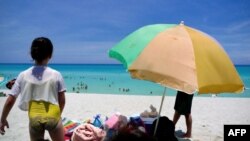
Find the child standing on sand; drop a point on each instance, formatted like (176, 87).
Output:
(41, 91)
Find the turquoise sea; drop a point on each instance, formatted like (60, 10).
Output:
(110, 79)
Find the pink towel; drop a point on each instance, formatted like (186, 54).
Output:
(88, 132)
(112, 122)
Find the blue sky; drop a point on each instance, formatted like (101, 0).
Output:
(82, 31)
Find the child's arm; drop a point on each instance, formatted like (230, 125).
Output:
(61, 100)
(10, 101)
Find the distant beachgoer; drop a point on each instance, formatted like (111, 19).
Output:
(10, 83)
(1, 78)
(41, 91)
(183, 104)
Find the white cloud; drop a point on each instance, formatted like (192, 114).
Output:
(239, 27)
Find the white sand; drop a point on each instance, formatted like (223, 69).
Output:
(210, 114)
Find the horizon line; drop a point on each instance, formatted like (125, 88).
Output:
(93, 64)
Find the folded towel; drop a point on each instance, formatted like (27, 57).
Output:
(88, 132)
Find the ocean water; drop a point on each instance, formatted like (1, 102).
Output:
(110, 79)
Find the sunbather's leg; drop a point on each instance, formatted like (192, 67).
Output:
(57, 134)
(188, 118)
(176, 117)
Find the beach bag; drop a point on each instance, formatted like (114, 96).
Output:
(98, 122)
(165, 130)
(136, 123)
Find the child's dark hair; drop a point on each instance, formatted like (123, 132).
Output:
(41, 48)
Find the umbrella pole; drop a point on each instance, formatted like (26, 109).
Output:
(162, 99)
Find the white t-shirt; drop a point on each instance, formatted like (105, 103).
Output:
(38, 83)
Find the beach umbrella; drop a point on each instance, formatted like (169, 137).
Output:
(179, 57)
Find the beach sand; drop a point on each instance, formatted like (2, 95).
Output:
(210, 114)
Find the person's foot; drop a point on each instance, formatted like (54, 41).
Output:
(186, 135)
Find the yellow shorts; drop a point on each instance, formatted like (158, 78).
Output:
(43, 115)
